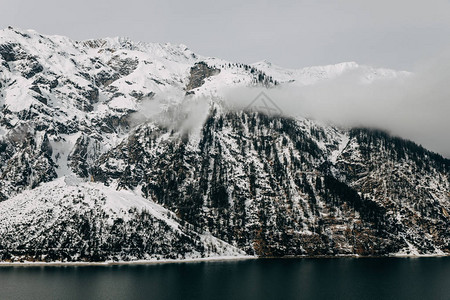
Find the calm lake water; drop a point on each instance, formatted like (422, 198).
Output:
(334, 278)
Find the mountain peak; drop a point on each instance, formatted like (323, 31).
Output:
(97, 136)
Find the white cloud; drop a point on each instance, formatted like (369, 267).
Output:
(415, 108)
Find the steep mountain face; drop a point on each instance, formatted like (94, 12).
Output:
(73, 93)
(199, 72)
(68, 221)
(27, 156)
(410, 183)
(115, 150)
(264, 184)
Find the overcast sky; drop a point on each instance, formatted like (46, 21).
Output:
(291, 33)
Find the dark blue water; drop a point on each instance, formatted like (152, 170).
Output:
(338, 278)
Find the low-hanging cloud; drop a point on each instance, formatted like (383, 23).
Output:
(186, 116)
(414, 107)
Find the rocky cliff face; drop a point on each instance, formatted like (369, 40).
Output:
(198, 73)
(103, 156)
(265, 185)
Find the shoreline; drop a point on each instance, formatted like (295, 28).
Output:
(194, 260)
(122, 263)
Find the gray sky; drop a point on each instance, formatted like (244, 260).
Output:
(291, 33)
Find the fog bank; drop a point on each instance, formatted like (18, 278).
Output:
(414, 107)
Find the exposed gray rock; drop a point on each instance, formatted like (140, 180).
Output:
(29, 164)
(11, 52)
(123, 66)
(199, 72)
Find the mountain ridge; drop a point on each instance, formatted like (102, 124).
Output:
(84, 123)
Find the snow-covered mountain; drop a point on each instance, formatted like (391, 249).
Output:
(311, 75)
(112, 149)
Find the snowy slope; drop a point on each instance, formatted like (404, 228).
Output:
(86, 96)
(172, 165)
(90, 222)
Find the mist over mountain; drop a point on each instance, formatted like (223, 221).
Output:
(409, 105)
(119, 150)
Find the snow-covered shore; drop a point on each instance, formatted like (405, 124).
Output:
(118, 263)
(196, 260)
